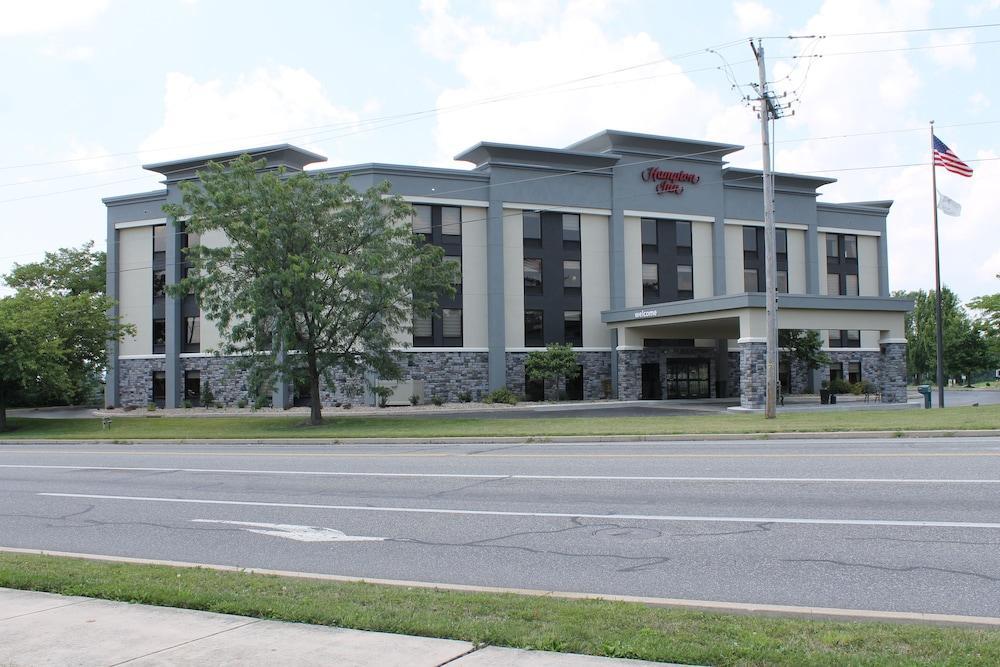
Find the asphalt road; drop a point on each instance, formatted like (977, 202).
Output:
(900, 525)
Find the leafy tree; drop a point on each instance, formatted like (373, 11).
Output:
(313, 267)
(805, 346)
(554, 362)
(70, 283)
(32, 353)
(65, 271)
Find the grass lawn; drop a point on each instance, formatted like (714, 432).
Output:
(124, 428)
(577, 626)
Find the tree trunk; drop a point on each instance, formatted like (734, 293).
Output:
(315, 403)
(3, 418)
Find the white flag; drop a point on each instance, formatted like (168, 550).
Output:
(949, 206)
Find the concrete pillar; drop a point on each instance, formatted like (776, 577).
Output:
(495, 302)
(111, 377)
(753, 373)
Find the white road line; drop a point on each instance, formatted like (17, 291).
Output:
(558, 515)
(294, 532)
(628, 478)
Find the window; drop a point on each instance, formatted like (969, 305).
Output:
(422, 327)
(685, 281)
(833, 283)
(836, 373)
(451, 322)
(421, 219)
(832, 245)
(159, 387)
(852, 338)
(159, 336)
(649, 232)
(750, 280)
(783, 282)
(451, 221)
(851, 284)
(160, 238)
(573, 328)
(457, 276)
(192, 334)
(781, 241)
(531, 223)
(851, 247)
(571, 273)
(854, 372)
(683, 234)
(159, 283)
(750, 240)
(571, 227)
(192, 386)
(651, 279)
(533, 333)
(532, 275)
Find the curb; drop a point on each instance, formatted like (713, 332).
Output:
(743, 608)
(526, 440)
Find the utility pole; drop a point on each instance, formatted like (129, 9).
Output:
(767, 110)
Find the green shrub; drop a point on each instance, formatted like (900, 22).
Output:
(840, 386)
(504, 395)
(383, 394)
(207, 397)
(465, 396)
(437, 400)
(414, 400)
(151, 406)
(187, 404)
(242, 403)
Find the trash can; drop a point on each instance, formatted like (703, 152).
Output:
(925, 391)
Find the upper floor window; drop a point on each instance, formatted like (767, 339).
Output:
(532, 274)
(421, 219)
(571, 273)
(683, 233)
(651, 280)
(573, 327)
(451, 221)
(160, 238)
(685, 281)
(649, 232)
(850, 246)
(832, 245)
(571, 228)
(531, 224)
(457, 273)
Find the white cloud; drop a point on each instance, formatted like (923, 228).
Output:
(266, 106)
(48, 16)
(952, 49)
(979, 102)
(658, 98)
(68, 53)
(752, 16)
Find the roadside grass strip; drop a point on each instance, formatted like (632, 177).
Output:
(594, 627)
(334, 427)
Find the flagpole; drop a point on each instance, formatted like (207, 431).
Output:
(937, 280)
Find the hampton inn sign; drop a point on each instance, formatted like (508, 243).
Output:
(668, 181)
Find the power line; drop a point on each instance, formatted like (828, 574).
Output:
(889, 32)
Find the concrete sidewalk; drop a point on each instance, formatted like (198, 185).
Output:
(46, 629)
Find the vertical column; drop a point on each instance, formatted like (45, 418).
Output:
(616, 275)
(172, 308)
(111, 379)
(628, 364)
(893, 376)
(753, 373)
(495, 303)
(812, 261)
(883, 263)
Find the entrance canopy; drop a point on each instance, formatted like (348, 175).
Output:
(743, 317)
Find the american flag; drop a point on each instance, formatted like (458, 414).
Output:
(944, 157)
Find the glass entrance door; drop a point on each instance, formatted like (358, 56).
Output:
(687, 378)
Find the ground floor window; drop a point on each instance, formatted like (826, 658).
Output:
(854, 372)
(534, 390)
(192, 387)
(303, 394)
(688, 378)
(836, 373)
(574, 386)
(159, 388)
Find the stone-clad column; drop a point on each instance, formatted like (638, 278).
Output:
(629, 375)
(753, 374)
(893, 377)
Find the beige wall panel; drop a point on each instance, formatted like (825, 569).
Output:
(513, 277)
(734, 259)
(701, 256)
(796, 261)
(868, 265)
(633, 262)
(821, 255)
(211, 339)
(596, 282)
(135, 288)
(474, 310)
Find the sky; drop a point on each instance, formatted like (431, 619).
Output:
(96, 88)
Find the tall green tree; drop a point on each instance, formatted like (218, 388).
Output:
(70, 283)
(805, 346)
(319, 275)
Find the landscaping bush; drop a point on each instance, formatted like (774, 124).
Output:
(207, 397)
(242, 403)
(151, 406)
(464, 396)
(383, 394)
(414, 399)
(840, 386)
(437, 400)
(504, 395)
(187, 404)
